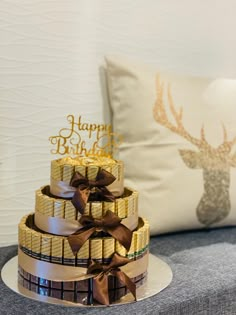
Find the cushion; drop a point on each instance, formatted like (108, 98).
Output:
(204, 280)
(179, 144)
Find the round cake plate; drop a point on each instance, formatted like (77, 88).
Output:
(158, 278)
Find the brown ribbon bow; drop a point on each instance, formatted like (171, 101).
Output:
(109, 223)
(100, 281)
(84, 187)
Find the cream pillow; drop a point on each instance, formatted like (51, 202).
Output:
(179, 144)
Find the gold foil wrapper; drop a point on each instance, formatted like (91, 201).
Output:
(68, 171)
(121, 208)
(70, 211)
(59, 208)
(120, 249)
(96, 248)
(92, 172)
(107, 168)
(121, 171)
(23, 236)
(109, 206)
(35, 244)
(22, 231)
(46, 245)
(115, 171)
(57, 249)
(84, 251)
(68, 256)
(130, 205)
(81, 169)
(96, 210)
(143, 230)
(39, 201)
(19, 235)
(87, 211)
(108, 247)
(131, 251)
(147, 231)
(48, 206)
(136, 195)
(96, 160)
(139, 244)
(136, 241)
(28, 240)
(56, 170)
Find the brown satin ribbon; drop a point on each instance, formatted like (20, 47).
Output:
(65, 227)
(100, 281)
(109, 223)
(57, 272)
(84, 188)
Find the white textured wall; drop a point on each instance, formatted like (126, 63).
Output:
(50, 54)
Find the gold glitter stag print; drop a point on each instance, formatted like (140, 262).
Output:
(215, 162)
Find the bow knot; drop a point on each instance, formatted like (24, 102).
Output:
(96, 188)
(99, 223)
(109, 223)
(102, 272)
(109, 220)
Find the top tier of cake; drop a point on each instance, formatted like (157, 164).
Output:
(63, 169)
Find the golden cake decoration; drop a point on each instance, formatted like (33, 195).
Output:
(85, 139)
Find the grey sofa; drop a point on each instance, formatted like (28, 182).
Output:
(204, 279)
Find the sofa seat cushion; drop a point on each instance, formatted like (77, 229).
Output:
(204, 279)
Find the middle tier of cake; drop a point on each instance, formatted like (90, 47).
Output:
(100, 247)
(59, 216)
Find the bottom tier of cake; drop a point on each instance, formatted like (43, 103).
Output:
(102, 271)
(80, 292)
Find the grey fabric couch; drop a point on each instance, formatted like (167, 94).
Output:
(204, 282)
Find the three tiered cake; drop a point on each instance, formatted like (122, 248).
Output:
(85, 242)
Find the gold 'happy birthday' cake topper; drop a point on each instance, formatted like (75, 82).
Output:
(82, 138)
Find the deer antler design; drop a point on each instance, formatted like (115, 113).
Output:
(214, 205)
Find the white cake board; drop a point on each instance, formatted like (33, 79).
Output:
(158, 278)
